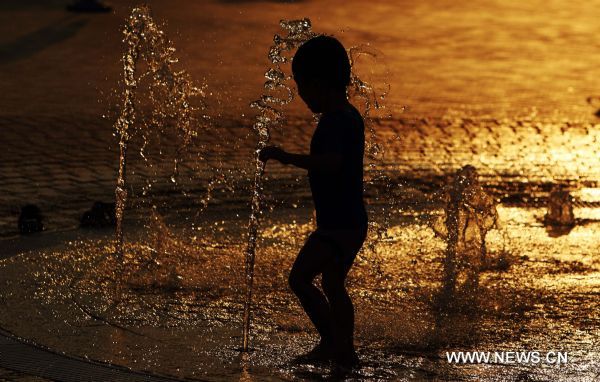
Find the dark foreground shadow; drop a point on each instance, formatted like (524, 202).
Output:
(18, 5)
(259, 1)
(43, 38)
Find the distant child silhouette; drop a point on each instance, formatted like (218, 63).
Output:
(321, 70)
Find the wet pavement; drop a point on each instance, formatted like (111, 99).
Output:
(179, 306)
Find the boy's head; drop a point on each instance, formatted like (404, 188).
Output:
(321, 68)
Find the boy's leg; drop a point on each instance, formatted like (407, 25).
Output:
(342, 310)
(345, 246)
(311, 260)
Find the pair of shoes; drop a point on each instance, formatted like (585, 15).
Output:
(319, 354)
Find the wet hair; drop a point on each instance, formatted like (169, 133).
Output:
(323, 58)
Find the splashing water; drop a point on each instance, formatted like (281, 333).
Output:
(560, 207)
(170, 95)
(298, 31)
(469, 214)
(368, 90)
(372, 91)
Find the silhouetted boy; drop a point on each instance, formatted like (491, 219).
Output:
(321, 70)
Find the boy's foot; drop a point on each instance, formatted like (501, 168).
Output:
(319, 354)
(344, 367)
(346, 361)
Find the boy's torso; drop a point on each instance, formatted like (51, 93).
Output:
(338, 195)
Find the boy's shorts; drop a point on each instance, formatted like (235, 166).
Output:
(346, 242)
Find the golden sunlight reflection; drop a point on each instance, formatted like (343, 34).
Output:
(177, 289)
(482, 183)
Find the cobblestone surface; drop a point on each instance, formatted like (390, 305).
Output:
(58, 72)
(63, 165)
(55, 164)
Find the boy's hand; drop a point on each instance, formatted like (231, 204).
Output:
(271, 152)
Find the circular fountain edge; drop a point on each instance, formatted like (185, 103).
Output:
(24, 355)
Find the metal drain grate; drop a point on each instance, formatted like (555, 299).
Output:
(22, 357)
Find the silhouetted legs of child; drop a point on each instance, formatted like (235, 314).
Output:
(331, 311)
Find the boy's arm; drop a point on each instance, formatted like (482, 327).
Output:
(323, 162)
(328, 162)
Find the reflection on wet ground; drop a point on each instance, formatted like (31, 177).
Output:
(178, 308)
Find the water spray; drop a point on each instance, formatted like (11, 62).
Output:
(170, 93)
(277, 95)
